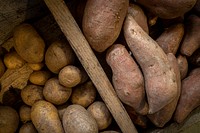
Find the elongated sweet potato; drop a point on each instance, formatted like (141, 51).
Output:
(102, 22)
(160, 79)
(127, 78)
(191, 40)
(171, 38)
(161, 117)
(190, 96)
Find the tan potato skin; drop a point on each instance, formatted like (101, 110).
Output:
(161, 117)
(77, 119)
(31, 94)
(36, 66)
(39, 77)
(44, 116)
(171, 38)
(102, 22)
(28, 44)
(127, 78)
(27, 128)
(190, 96)
(168, 9)
(2, 68)
(101, 114)
(9, 120)
(160, 80)
(139, 16)
(55, 92)
(191, 40)
(183, 65)
(25, 113)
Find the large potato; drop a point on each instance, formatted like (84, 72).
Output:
(44, 116)
(77, 119)
(102, 22)
(9, 120)
(28, 43)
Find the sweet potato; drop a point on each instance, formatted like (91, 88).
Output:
(166, 8)
(161, 117)
(139, 16)
(127, 78)
(171, 38)
(190, 96)
(191, 40)
(160, 79)
(183, 65)
(102, 22)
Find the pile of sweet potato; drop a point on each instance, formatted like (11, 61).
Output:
(150, 50)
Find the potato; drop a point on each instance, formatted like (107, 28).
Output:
(160, 79)
(190, 96)
(183, 65)
(61, 109)
(69, 76)
(27, 128)
(139, 16)
(9, 120)
(44, 116)
(101, 114)
(2, 68)
(102, 22)
(168, 9)
(36, 66)
(39, 77)
(127, 78)
(58, 55)
(77, 119)
(31, 93)
(28, 43)
(55, 92)
(190, 42)
(12, 60)
(84, 94)
(171, 38)
(25, 113)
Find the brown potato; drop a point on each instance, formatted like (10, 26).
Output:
(101, 114)
(84, 94)
(31, 93)
(39, 77)
(2, 68)
(77, 119)
(25, 113)
(102, 22)
(28, 43)
(27, 128)
(58, 55)
(12, 60)
(55, 92)
(69, 76)
(36, 66)
(9, 120)
(44, 116)
(166, 8)
(61, 109)
(183, 65)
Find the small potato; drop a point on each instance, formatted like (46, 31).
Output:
(44, 116)
(77, 119)
(25, 113)
(31, 93)
(12, 60)
(84, 94)
(58, 55)
(9, 120)
(183, 65)
(69, 76)
(101, 114)
(39, 77)
(27, 128)
(36, 66)
(2, 68)
(55, 92)
(28, 43)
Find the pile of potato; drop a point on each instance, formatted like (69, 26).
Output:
(151, 49)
